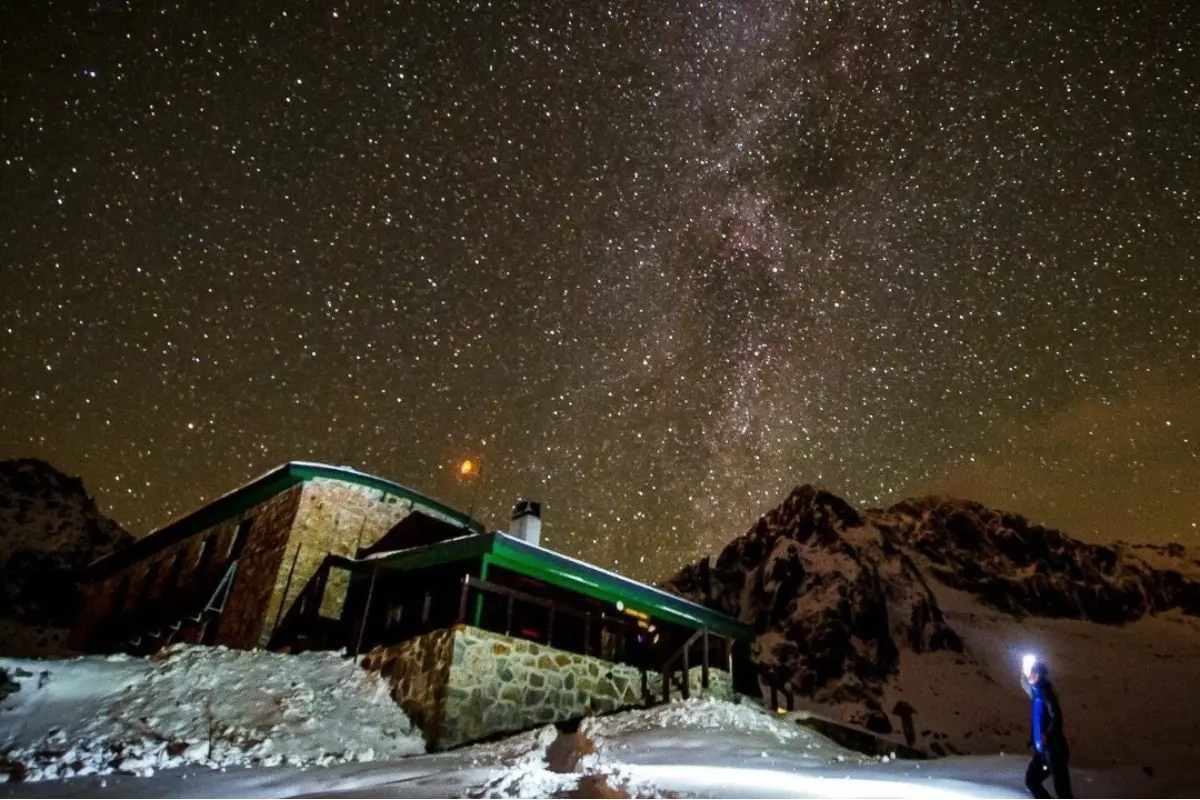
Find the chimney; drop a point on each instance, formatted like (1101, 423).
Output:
(527, 522)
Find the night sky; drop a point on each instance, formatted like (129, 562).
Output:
(654, 263)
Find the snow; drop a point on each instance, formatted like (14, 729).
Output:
(197, 706)
(1127, 691)
(316, 724)
(692, 749)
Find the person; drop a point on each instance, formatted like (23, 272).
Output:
(1051, 753)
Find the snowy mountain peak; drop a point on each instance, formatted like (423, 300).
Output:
(1022, 568)
(837, 597)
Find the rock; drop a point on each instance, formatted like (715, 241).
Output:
(877, 722)
(836, 595)
(50, 530)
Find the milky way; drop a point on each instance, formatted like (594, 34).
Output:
(653, 264)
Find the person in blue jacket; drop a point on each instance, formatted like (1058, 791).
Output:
(1051, 753)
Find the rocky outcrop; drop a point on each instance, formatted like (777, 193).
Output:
(835, 595)
(1025, 569)
(831, 597)
(50, 529)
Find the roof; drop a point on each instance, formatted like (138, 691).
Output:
(415, 530)
(256, 492)
(537, 562)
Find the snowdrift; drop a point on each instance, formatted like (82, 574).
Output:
(195, 705)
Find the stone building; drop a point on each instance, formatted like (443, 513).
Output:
(227, 573)
(480, 632)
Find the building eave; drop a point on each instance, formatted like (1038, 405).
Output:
(566, 572)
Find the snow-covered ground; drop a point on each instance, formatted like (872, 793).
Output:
(222, 723)
(1128, 692)
(196, 705)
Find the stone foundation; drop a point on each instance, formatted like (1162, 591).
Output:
(418, 671)
(464, 684)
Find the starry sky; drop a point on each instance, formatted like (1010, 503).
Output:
(652, 263)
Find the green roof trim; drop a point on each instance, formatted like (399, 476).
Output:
(258, 491)
(506, 551)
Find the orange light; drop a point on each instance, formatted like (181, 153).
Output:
(466, 468)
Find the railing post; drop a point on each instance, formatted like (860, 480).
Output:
(508, 615)
(425, 608)
(462, 600)
(550, 626)
(686, 671)
(704, 661)
(366, 612)
(587, 642)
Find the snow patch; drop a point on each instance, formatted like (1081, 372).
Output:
(196, 705)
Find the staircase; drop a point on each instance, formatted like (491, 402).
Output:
(182, 619)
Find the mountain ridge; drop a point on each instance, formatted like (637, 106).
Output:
(50, 529)
(843, 602)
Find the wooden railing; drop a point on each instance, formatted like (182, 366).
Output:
(683, 656)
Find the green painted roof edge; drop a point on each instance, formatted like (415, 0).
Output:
(431, 555)
(610, 586)
(569, 573)
(259, 490)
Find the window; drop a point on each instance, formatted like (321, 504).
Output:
(206, 553)
(121, 594)
(148, 583)
(176, 570)
(395, 615)
(238, 543)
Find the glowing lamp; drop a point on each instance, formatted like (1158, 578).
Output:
(1027, 664)
(466, 467)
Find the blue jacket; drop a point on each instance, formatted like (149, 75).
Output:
(1046, 715)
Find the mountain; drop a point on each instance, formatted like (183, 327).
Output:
(1012, 565)
(49, 530)
(926, 607)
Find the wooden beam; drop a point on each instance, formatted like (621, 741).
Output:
(366, 612)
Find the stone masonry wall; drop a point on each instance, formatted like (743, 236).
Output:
(418, 671)
(333, 517)
(468, 684)
(128, 590)
(246, 617)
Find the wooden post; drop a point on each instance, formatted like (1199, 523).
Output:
(686, 672)
(508, 617)
(704, 662)
(425, 609)
(366, 612)
(462, 600)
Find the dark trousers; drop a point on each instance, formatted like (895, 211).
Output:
(1052, 763)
